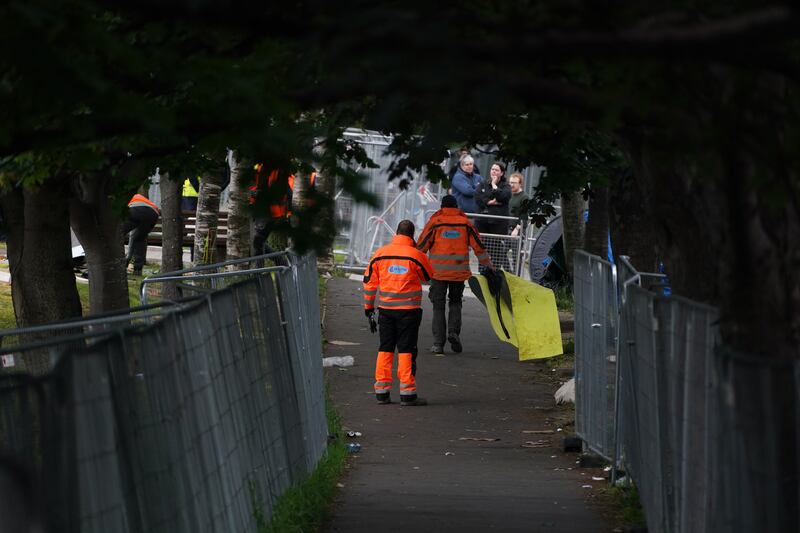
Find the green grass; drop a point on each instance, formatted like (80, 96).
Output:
(564, 299)
(8, 320)
(305, 507)
(627, 505)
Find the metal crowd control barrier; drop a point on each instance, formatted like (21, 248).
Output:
(596, 315)
(505, 250)
(42, 345)
(189, 423)
(698, 427)
(206, 278)
(665, 398)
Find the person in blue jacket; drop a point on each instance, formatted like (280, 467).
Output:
(465, 182)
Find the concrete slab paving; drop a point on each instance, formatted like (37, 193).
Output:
(437, 468)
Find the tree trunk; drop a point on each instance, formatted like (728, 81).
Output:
(238, 239)
(325, 186)
(596, 238)
(171, 232)
(572, 226)
(97, 227)
(631, 225)
(205, 235)
(42, 280)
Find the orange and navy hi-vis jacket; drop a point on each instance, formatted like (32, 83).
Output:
(142, 201)
(448, 236)
(393, 278)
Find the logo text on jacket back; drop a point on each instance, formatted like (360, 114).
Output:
(451, 234)
(398, 269)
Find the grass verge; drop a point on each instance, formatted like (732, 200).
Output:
(628, 507)
(305, 507)
(565, 301)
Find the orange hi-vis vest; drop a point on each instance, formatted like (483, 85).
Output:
(393, 278)
(142, 201)
(281, 208)
(448, 236)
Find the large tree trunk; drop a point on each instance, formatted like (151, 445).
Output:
(205, 234)
(171, 232)
(631, 225)
(596, 238)
(42, 280)
(97, 227)
(238, 239)
(572, 226)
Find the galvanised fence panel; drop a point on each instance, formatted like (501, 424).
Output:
(595, 352)
(754, 478)
(182, 425)
(666, 405)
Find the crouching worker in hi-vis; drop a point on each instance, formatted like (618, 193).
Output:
(393, 282)
(448, 237)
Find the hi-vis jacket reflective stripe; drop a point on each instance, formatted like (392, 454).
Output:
(448, 236)
(138, 200)
(393, 278)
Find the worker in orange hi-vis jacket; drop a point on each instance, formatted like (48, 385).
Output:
(447, 237)
(142, 217)
(393, 283)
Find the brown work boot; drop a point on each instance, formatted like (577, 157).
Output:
(414, 403)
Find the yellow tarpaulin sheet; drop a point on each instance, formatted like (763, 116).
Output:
(530, 322)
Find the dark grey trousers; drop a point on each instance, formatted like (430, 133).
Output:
(438, 293)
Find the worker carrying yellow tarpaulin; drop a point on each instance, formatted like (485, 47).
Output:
(522, 313)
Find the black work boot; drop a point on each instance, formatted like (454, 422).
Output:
(383, 398)
(417, 401)
(455, 342)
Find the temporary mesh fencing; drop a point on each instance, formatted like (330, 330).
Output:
(596, 317)
(683, 401)
(362, 228)
(190, 423)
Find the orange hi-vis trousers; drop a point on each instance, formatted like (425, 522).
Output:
(398, 329)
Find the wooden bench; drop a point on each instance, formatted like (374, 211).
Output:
(154, 238)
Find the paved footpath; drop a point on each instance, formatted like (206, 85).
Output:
(424, 469)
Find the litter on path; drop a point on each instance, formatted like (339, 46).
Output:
(481, 439)
(344, 343)
(346, 360)
(535, 444)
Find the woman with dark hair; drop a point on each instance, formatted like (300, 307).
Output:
(492, 197)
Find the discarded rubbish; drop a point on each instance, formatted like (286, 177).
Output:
(449, 453)
(586, 486)
(566, 393)
(340, 485)
(607, 469)
(344, 343)
(596, 478)
(535, 444)
(538, 431)
(484, 439)
(559, 429)
(622, 482)
(352, 434)
(346, 360)
(353, 447)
